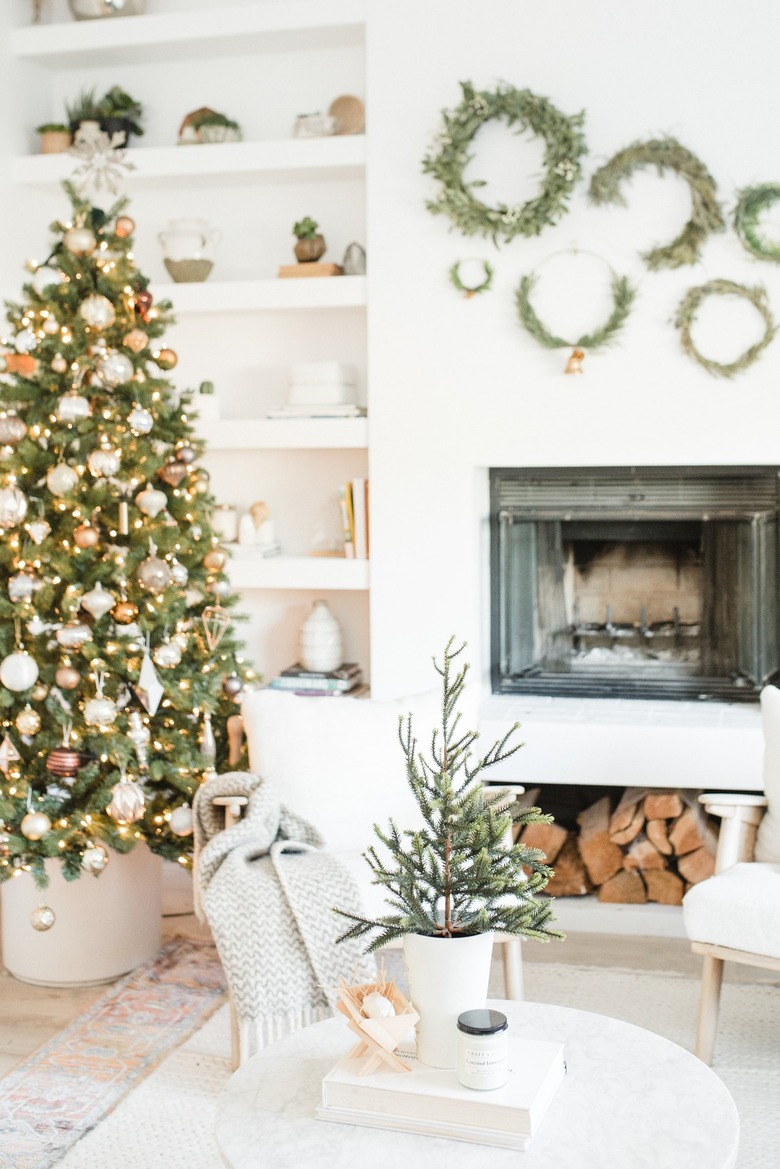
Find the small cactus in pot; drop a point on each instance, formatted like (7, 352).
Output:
(310, 244)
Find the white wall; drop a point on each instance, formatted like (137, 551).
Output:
(456, 385)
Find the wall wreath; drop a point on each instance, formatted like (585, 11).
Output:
(686, 317)
(751, 202)
(480, 279)
(452, 151)
(665, 154)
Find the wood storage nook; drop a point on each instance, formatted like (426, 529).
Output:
(636, 846)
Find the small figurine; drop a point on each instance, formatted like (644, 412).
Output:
(574, 364)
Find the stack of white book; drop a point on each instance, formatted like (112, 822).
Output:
(431, 1102)
(320, 389)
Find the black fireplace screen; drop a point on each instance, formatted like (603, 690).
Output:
(635, 582)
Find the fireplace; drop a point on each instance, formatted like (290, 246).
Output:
(651, 582)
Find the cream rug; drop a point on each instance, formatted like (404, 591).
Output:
(167, 1121)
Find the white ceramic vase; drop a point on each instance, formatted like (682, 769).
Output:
(321, 643)
(447, 976)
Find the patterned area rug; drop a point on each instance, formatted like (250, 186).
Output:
(73, 1082)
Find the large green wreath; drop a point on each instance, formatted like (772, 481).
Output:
(686, 316)
(665, 154)
(751, 202)
(450, 154)
(622, 299)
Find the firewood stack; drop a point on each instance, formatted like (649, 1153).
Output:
(652, 846)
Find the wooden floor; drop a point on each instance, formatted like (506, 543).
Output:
(29, 1015)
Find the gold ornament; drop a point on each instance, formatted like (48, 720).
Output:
(124, 612)
(165, 358)
(135, 340)
(58, 363)
(124, 226)
(574, 364)
(216, 623)
(42, 918)
(67, 678)
(28, 721)
(86, 535)
(128, 802)
(215, 559)
(35, 825)
(64, 762)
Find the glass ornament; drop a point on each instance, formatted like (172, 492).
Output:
(37, 530)
(58, 363)
(86, 536)
(104, 462)
(167, 655)
(173, 472)
(94, 859)
(135, 340)
(186, 454)
(97, 311)
(151, 502)
(79, 241)
(35, 825)
(51, 326)
(12, 429)
(25, 340)
(21, 586)
(215, 559)
(124, 226)
(166, 359)
(153, 573)
(114, 369)
(149, 688)
(73, 635)
(72, 408)
(181, 823)
(140, 420)
(98, 601)
(67, 678)
(124, 612)
(61, 479)
(100, 712)
(42, 918)
(179, 574)
(13, 507)
(18, 671)
(128, 802)
(28, 721)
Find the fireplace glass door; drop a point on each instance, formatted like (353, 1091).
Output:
(653, 582)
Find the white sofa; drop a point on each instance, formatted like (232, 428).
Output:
(339, 763)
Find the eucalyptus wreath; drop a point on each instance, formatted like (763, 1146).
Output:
(622, 298)
(665, 154)
(471, 289)
(750, 204)
(686, 317)
(451, 152)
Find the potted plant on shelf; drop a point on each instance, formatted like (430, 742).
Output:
(310, 245)
(83, 111)
(207, 125)
(119, 113)
(55, 137)
(456, 879)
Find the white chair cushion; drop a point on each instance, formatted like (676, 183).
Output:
(739, 909)
(768, 839)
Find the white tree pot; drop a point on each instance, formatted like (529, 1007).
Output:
(104, 926)
(446, 977)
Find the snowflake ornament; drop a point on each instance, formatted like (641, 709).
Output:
(103, 166)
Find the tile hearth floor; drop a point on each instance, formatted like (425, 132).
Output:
(30, 1015)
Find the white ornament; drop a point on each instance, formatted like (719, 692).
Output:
(104, 462)
(140, 420)
(35, 825)
(167, 654)
(151, 502)
(154, 574)
(13, 507)
(8, 754)
(21, 586)
(73, 636)
(114, 369)
(12, 429)
(61, 479)
(376, 1006)
(25, 340)
(45, 278)
(94, 859)
(42, 918)
(181, 821)
(179, 574)
(98, 601)
(79, 241)
(19, 671)
(38, 530)
(97, 311)
(128, 802)
(139, 735)
(51, 326)
(149, 689)
(100, 712)
(72, 408)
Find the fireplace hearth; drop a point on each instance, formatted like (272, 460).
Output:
(635, 582)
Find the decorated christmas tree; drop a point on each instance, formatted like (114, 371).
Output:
(118, 664)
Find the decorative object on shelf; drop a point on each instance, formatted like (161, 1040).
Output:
(207, 125)
(458, 878)
(256, 528)
(318, 385)
(471, 276)
(622, 298)
(320, 642)
(206, 402)
(382, 1018)
(116, 114)
(687, 311)
(665, 154)
(187, 246)
(95, 9)
(224, 522)
(751, 203)
(452, 151)
(349, 114)
(55, 137)
(314, 126)
(354, 262)
(310, 243)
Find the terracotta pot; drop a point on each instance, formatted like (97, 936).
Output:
(55, 141)
(308, 250)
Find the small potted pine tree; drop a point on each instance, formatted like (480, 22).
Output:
(310, 243)
(457, 878)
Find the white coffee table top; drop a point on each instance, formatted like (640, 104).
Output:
(630, 1100)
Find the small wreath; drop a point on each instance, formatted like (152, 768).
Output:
(686, 317)
(747, 213)
(622, 298)
(447, 160)
(470, 290)
(665, 154)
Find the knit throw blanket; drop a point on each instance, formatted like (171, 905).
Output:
(267, 887)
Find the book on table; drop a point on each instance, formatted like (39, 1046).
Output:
(344, 678)
(431, 1101)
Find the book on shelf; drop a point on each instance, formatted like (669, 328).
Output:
(353, 509)
(319, 410)
(342, 673)
(431, 1100)
(345, 511)
(359, 690)
(316, 684)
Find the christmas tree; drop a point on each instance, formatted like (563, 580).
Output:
(118, 663)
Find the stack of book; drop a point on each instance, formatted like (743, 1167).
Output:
(431, 1102)
(353, 504)
(346, 680)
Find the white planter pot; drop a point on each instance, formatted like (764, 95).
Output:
(104, 926)
(446, 977)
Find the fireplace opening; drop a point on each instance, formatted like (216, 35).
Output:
(644, 583)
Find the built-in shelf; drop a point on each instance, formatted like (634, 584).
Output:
(246, 571)
(241, 434)
(190, 34)
(214, 296)
(589, 915)
(339, 156)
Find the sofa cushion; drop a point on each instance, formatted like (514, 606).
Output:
(338, 761)
(768, 839)
(740, 909)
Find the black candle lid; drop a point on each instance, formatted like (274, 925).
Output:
(484, 1022)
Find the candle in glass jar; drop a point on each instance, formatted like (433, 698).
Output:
(483, 1049)
(224, 522)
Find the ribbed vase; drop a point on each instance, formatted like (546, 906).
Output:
(321, 642)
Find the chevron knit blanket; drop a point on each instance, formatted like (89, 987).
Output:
(267, 888)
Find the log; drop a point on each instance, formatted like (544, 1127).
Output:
(571, 879)
(658, 832)
(663, 805)
(632, 829)
(626, 809)
(697, 865)
(690, 831)
(642, 854)
(600, 856)
(624, 888)
(550, 838)
(664, 886)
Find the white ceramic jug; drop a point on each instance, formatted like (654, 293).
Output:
(188, 239)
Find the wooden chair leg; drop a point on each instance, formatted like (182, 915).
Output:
(235, 1044)
(513, 968)
(709, 1002)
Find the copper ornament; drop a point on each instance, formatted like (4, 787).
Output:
(124, 226)
(135, 340)
(86, 536)
(64, 761)
(124, 612)
(143, 303)
(165, 358)
(173, 473)
(67, 678)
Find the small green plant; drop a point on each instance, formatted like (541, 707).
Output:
(306, 229)
(212, 118)
(206, 388)
(117, 103)
(83, 108)
(52, 128)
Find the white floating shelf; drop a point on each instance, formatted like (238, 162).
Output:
(296, 572)
(249, 295)
(221, 30)
(284, 433)
(300, 158)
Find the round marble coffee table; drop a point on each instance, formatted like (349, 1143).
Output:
(630, 1100)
